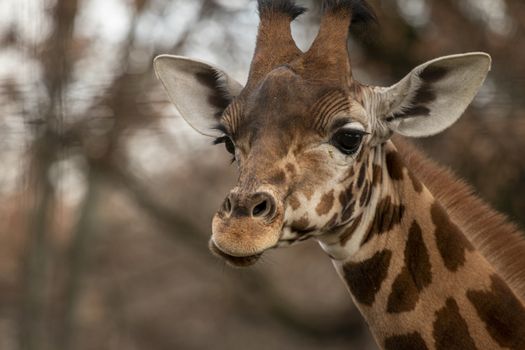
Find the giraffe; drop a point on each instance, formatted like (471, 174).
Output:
(321, 156)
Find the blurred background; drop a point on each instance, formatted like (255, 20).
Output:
(106, 196)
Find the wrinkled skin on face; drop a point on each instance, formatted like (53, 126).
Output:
(292, 176)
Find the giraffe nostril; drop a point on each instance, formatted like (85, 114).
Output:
(258, 205)
(261, 209)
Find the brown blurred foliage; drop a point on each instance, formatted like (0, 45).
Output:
(107, 196)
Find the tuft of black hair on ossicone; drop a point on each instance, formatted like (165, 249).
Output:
(362, 12)
(287, 7)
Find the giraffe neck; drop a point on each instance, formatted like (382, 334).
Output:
(414, 275)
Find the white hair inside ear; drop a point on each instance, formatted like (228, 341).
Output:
(433, 96)
(199, 91)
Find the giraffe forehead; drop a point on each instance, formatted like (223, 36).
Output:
(286, 103)
(281, 96)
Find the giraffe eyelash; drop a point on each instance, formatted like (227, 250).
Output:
(230, 146)
(219, 140)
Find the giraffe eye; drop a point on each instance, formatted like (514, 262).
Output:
(348, 141)
(230, 147)
(228, 143)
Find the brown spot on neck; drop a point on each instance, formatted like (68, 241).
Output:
(417, 259)
(386, 217)
(411, 341)
(404, 295)
(394, 165)
(502, 313)
(494, 237)
(451, 242)
(415, 276)
(364, 278)
(451, 330)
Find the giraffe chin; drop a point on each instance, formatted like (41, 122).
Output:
(235, 261)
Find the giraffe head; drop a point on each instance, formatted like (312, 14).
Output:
(301, 126)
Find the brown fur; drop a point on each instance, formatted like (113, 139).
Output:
(498, 240)
(451, 330)
(377, 176)
(302, 225)
(334, 102)
(294, 202)
(365, 278)
(415, 276)
(412, 341)
(275, 45)
(346, 196)
(362, 175)
(394, 166)
(348, 211)
(326, 203)
(451, 242)
(502, 314)
(404, 295)
(386, 217)
(418, 187)
(364, 194)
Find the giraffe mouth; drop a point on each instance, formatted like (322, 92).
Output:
(236, 261)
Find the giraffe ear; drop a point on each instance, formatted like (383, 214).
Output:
(200, 91)
(434, 95)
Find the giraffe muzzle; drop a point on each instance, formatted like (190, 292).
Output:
(246, 225)
(236, 261)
